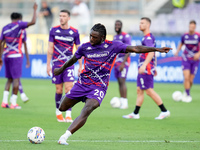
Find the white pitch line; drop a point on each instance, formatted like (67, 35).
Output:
(108, 141)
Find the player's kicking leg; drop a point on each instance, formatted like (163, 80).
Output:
(90, 105)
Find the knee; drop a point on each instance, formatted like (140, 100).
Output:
(91, 107)
(148, 92)
(186, 78)
(59, 90)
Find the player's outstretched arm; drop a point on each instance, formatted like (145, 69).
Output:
(67, 64)
(34, 15)
(146, 49)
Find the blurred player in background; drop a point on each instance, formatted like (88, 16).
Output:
(190, 58)
(61, 41)
(12, 35)
(146, 71)
(122, 63)
(24, 98)
(93, 82)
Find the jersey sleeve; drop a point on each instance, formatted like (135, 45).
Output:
(127, 39)
(77, 39)
(79, 52)
(51, 36)
(182, 39)
(120, 47)
(23, 25)
(2, 37)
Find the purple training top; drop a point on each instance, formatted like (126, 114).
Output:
(191, 45)
(13, 36)
(98, 62)
(64, 40)
(148, 40)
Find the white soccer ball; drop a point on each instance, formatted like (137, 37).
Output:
(115, 102)
(36, 135)
(177, 96)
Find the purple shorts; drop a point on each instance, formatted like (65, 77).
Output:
(13, 67)
(190, 65)
(145, 81)
(81, 92)
(66, 76)
(121, 74)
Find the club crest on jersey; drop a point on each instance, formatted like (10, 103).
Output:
(71, 32)
(106, 46)
(120, 37)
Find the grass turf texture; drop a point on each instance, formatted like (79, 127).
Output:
(105, 128)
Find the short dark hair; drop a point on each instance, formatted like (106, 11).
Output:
(119, 22)
(100, 28)
(21, 16)
(15, 16)
(193, 22)
(147, 19)
(66, 11)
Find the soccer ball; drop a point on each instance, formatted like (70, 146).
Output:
(36, 135)
(177, 96)
(115, 102)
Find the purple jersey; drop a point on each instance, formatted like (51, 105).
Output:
(64, 40)
(124, 38)
(12, 34)
(148, 40)
(98, 62)
(191, 43)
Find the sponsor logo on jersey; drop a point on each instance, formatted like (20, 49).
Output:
(104, 54)
(191, 41)
(67, 38)
(71, 78)
(57, 31)
(89, 48)
(148, 38)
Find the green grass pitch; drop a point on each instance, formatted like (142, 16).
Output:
(105, 129)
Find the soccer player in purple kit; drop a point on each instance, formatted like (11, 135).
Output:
(190, 58)
(122, 63)
(61, 41)
(92, 83)
(146, 72)
(12, 36)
